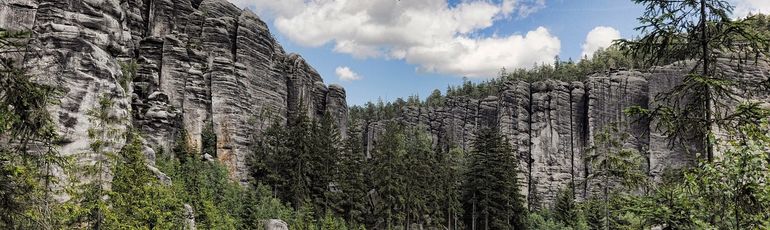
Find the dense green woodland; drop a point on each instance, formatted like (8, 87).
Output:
(302, 171)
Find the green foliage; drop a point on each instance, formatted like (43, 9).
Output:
(390, 183)
(492, 199)
(259, 205)
(543, 221)
(352, 179)
(565, 210)
(685, 30)
(138, 199)
(28, 155)
(616, 170)
(90, 203)
(729, 193)
(128, 70)
(701, 31)
(216, 201)
(300, 162)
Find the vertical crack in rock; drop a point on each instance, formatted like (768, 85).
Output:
(529, 152)
(147, 16)
(234, 40)
(572, 142)
(586, 137)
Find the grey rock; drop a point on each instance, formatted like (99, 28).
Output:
(275, 224)
(551, 125)
(162, 177)
(198, 64)
(189, 217)
(209, 63)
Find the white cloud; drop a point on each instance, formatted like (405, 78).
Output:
(432, 34)
(746, 7)
(530, 6)
(484, 57)
(345, 74)
(599, 37)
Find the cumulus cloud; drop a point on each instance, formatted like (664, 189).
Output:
(345, 74)
(484, 57)
(746, 7)
(434, 35)
(599, 37)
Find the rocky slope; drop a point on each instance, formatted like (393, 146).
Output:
(552, 124)
(198, 63)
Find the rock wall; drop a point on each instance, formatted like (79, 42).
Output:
(201, 64)
(198, 64)
(552, 124)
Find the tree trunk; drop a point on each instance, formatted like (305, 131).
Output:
(705, 72)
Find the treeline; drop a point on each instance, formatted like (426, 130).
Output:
(603, 60)
(404, 182)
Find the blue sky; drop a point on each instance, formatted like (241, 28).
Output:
(389, 48)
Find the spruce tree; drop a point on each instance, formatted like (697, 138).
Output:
(352, 179)
(28, 155)
(452, 169)
(614, 169)
(389, 178)
(138, 198)
(492, 198)
(699, 30)
(325, 165)
(91, 198)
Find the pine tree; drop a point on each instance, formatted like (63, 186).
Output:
(729, 193)
(419, 163)
(614, 169)
(492, 199)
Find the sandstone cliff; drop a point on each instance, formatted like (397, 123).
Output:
(552, 124)
(209, 63)
(198, 63)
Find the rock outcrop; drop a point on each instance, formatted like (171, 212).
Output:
(170, 66)
(552, 124)
(275, 224)
(176, 67)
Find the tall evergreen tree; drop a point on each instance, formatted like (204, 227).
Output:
(352, 178)
(324, 164)
(138, 198)
(451, 169)
(389, 179)
(28, 156)
(91, 199)
(492, 198)
(699, 30)
(614, 169)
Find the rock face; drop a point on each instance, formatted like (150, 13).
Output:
(175, 67)
(274, 224)
(551, 125)
(197, 64)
